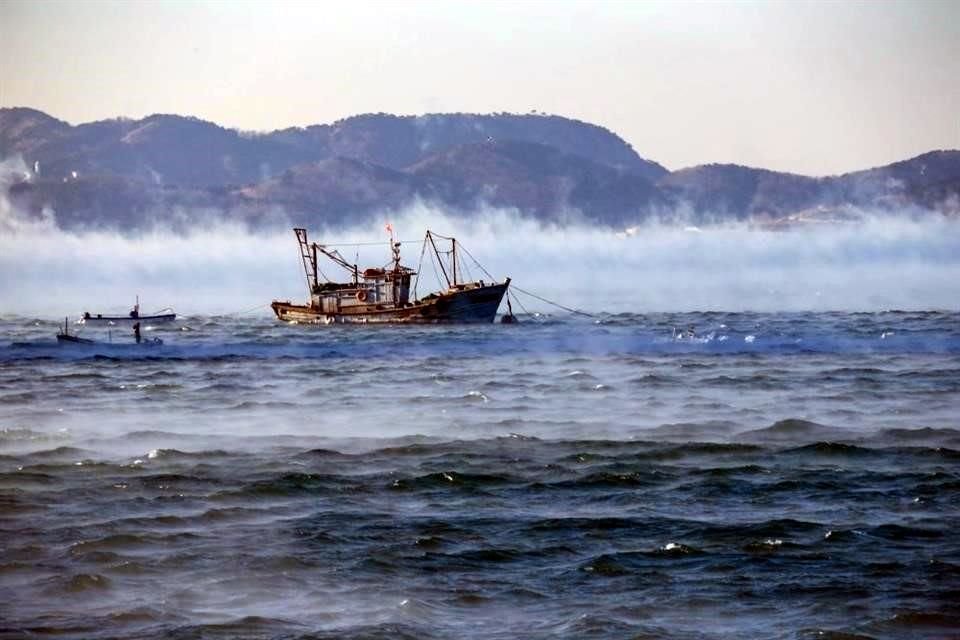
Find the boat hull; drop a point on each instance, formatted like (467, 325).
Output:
(470, 306)
(104, 321)
(74, 341)
(63, 338)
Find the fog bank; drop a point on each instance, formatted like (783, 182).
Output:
(882, 263)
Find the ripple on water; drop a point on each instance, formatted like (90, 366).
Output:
(556, 480)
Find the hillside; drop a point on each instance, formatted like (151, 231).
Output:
(169, 169)
(534, 178)
(719, 192)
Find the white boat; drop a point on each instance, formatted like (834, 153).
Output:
(160, 317)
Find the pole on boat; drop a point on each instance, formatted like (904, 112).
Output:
(453, 242)
(308, 256)
(436, 252)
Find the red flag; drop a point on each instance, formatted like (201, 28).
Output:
(389, 228)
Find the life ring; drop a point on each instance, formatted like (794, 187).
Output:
(362, 295)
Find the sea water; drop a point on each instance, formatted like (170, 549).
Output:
(698, 475)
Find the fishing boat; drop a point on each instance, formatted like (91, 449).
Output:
(160, 317)
(388, 294)
(64, 337)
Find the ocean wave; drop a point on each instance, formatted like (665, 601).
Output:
(450, 479)
(645, 335)
(276, 467)
(832, 449)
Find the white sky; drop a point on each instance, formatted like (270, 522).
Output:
(812, 88)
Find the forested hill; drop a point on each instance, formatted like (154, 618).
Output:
(162, 169)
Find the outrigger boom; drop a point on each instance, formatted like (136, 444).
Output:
(382, 294)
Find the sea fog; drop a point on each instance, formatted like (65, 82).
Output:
(884, 262)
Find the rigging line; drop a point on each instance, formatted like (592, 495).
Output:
(489, 275)
(465, 267)
(182, 315)
(237, 313)
(517, 300)
(416, 282)
(556, 304)
(362, 244)
(433, 263)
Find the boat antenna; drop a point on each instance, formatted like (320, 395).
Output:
(394, 247)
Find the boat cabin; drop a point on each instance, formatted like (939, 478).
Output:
(373, 288)
(378, 288)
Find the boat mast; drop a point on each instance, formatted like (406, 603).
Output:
(453, 242)
(439, 259)
(309, 256)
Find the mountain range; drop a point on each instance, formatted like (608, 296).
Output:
(177, 171)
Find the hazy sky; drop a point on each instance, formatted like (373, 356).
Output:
(806, 87)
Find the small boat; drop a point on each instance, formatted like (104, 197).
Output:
(383, 294)
(108, 347)
(64, 337)
(165, 315)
